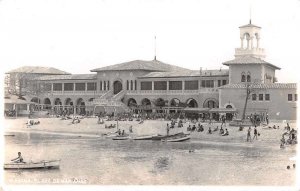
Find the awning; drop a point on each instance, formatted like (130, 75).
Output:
(223, 110)
(198, 110)
(16, 100)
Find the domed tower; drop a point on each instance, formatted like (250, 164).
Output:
(249, 64)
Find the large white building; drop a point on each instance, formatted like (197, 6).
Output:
(156, 86)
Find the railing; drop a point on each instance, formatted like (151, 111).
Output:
(154, 92)
(119, 95)
(88, 92)
(106, 95)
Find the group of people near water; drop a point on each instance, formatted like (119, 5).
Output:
(198, 128)
(291, 135)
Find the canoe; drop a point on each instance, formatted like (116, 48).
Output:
(120, 138)
(145, 137)
(33, 165)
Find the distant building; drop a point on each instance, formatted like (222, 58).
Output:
(155, 86)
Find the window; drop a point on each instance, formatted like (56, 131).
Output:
(127, 85)
(296, 97)
(243, 79)
(219, 83)
(253, 97)
(146, 85)
(160, 85)
(135, 85)
(131, 85)
(101, 86)
(191, 85)
(290, 97)
(224, 82)
(57, 87)
(91, 86)
(261, 97)
(248, 77)
(175, 85)
(207, 83)
(68, 86)
(107, 85)
(104, 85)
(80, 86)
(267, 97)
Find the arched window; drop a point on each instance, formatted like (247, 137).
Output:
(248, 77)
(243, 79)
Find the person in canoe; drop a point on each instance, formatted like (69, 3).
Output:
(19, 159)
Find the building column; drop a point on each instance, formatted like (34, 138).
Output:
(242, 43)
(85, 89)
(62, 87)
(51, 87)
(183, 85)
(251, 40)
(152, 86)
(133, 83)
(168, 85)
(28, 107)
(257, 43)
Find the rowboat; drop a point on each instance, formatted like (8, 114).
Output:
(120, 138)
(162, 137)
(33, 165)
(179, 139)
(145, 137)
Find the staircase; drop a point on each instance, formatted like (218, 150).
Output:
(112, 102)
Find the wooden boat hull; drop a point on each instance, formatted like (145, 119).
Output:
(148, 137)
(120, 138)
(161, 137)
(179, 139)
(33, 165)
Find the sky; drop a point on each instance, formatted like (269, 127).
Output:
(77, 36)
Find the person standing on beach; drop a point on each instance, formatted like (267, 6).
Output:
(255, 133)
(249, 134)
(168, 129)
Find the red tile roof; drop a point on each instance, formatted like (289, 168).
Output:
(191, 73)
(37, 70)
(248, 60)
(152, 65)
(68, 77)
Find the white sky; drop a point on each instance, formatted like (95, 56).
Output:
(77, 36)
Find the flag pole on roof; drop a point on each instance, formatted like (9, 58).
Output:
(155, 47)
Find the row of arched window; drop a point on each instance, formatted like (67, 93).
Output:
(131, 85)
(246, 78)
